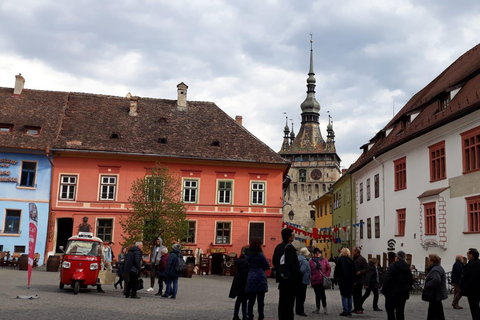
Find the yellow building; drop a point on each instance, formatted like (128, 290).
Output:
(323, 219)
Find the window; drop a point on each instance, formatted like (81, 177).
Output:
(258, 193)
(473, 211)
(153, 188)
(369, 228)
(430, 219)
(376, 181)
(190, 237)
(368, 189)
(377, 227)
(104, 229)
(339, 198)
(302, 175)
(361, 192)
(400, 174)
(256, 231)
(32, 131)
(471, 150)
(19, 249)
(437, 161)
(225, 192)
(190, 191)
(6, 127)
(12, 221)
(443, 101)
(108, 185)
(223, 233)
(68, 186)
(401, 215)
(361, 229)
(29, 170)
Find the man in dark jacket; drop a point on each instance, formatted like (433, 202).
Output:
(361, 268)
(470, 282)
(171, 272)
(457, 271)
(397, 284)
(132, 266)
(287, 286)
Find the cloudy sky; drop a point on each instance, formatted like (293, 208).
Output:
(249, 57)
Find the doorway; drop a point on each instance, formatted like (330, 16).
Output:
(64, 231)
(218, 263)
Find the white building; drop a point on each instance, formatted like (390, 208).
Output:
(418, 180)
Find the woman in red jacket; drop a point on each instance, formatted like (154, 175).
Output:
(320, 267)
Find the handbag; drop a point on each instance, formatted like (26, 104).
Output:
(140, 284)
(428, 295)
(326, 281)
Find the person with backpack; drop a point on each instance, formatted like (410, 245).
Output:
(173, 271)
(288, 274)
(257, 283)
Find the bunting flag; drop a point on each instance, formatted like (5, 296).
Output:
(33, 212)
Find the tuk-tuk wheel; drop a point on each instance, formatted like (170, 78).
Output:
(76, 287)
(61, 286)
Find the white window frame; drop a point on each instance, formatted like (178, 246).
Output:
(220, 192)
(188, 189)
(216, 230)
(255, 191)
(109, 185)
(68, 185)
(147, 182)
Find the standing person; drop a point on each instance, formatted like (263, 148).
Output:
(319, 267)
(332, 267)
(287, 286)
(457, 271)
(345, 277)
(302, 287)
(372, 279)
(397, 284)
(436, 284)
(162, 266)
(132, 266)
(121, 262)
(257, 283)
(155, 257)
(109, 255)
(238, 286)
(361, 268)
(171, 272)
(470, 282)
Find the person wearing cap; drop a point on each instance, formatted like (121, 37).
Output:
(319, 267)
(301, 293)
(171, 272)
(397, 284)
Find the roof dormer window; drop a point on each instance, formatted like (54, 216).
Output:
(443, 101)
(6, 127)
(32, 130)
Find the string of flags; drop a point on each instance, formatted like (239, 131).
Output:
(324, 234)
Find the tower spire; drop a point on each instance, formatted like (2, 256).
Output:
(310, 107)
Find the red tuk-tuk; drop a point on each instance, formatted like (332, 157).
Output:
(81, 261)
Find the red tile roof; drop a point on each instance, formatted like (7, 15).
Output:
(92, 122)
(464, 73)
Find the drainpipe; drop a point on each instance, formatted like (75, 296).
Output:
(50, 216)
(383, 186)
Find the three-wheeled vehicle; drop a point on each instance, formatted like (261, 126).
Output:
(81, 261)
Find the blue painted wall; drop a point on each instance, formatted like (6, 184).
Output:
(13, 196)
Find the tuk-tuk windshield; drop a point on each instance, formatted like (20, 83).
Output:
(84, 248)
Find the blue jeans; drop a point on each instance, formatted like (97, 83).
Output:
(172, 291)
(347, 303)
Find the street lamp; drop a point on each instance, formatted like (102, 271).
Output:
(291, 215)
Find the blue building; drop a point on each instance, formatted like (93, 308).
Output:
(24, 178)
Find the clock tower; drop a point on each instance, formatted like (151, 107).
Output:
(315, 163)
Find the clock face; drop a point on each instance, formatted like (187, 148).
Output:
(316, 174)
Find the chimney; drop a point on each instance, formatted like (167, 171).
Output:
(182, 96)
(238, 119)
(19, 83)
(133, 106)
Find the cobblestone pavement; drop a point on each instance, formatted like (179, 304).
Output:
(201, 297)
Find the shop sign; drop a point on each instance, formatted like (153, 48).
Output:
(5, 170)
(218, 250)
